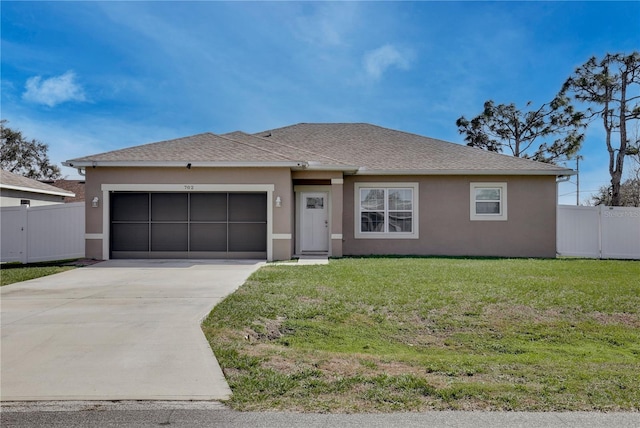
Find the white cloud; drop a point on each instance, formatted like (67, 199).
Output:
(377, 61)
(54, 90)
(329, 24)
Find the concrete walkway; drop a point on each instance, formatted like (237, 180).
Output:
(117, 330)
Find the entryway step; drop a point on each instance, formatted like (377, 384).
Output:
(313, 260)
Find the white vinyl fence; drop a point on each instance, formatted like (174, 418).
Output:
(599, 232)
(43, 233)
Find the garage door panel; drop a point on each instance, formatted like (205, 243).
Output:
(169, 207)
(247, 237)
(208, 207)
(130, 237)
(169, 237)
(208, 237)
(251, 207)
(130, 207)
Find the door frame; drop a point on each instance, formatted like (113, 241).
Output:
(299, 191)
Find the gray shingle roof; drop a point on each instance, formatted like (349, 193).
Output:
(205, 147)
(74, 186)
(367, 148)
(9, 180)
(381, 149)
(298, 152)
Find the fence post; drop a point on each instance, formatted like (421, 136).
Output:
(24, 235)
(600, 211)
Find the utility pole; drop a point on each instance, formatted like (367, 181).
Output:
(578, 180)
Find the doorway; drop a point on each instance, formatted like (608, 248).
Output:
(314, 222)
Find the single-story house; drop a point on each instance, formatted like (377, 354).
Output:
(74, 186)
(316, 188)
(16, 190)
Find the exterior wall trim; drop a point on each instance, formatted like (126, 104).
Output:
(106, 188)
(189, 187)
(281, 236)
(554, 173)
(178, 164)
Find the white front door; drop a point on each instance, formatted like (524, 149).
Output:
(314, 222)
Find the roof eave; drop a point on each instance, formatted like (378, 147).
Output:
(302, 165)
(555, 173)
(41, 191)
(316, 166)
(181, 164)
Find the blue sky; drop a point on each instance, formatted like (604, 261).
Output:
(88, 77)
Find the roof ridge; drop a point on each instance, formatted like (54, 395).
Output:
(315, 123)
(295, 147)
(148, 144)
(256, 147)
(277, 129)
(179, 138)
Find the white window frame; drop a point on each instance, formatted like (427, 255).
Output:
(415, 216)
(502, 215)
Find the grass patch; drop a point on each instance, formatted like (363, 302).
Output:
(414, 334)
(15, 272)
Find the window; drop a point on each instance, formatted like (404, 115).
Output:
(315, 203)
(488, 201)
(386, 210)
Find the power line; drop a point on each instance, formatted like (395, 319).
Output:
(581, 191)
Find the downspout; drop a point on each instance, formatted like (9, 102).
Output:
(81, 171)
(560, 179)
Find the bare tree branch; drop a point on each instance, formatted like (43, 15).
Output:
(25, 157)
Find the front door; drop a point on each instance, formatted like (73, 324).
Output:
(314, 222)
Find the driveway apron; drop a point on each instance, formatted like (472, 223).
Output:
(117, 330)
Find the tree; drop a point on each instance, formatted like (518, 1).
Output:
(629, 188)
(611, 86)
(629, 194)
(25, 157)
(503, 126)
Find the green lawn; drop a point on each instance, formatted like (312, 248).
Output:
(412, 334)
(12, 274)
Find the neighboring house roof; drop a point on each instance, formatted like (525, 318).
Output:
(357, 148)
(11, 181)
(74, 186)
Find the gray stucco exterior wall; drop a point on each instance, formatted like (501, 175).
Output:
(445, 227)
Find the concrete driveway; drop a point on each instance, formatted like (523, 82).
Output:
(117, 330)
